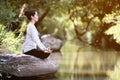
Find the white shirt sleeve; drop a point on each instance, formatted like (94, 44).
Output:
(34, 35)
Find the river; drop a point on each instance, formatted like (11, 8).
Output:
(79, 61)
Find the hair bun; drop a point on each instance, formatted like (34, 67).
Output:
(29, 13)
(26, 13)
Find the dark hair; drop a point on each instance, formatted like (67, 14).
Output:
(29, 13)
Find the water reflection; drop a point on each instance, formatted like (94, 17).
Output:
(84, 62)
(85, 78)
(67, 77)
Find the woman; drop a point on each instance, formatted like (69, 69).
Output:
(32, 40)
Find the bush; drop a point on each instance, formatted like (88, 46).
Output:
(8, 42)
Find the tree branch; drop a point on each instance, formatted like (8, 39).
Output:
(43, 16)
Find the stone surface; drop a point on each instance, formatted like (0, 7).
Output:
(51, 42)
(25, 65)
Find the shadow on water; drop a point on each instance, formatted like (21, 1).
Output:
(53, 77)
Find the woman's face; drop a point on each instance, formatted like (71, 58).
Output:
(35, 17)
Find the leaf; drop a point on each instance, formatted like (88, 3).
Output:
(115, 32)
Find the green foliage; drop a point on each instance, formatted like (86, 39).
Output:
(6, 13)
(9, 43)
(62, 14)
(2, 33)
(114, 30)
(59, 25)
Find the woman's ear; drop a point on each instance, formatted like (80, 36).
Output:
(32, 17)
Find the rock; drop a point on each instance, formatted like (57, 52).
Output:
(51, 42)
(25, 65)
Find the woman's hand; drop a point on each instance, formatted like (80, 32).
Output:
(47, 50)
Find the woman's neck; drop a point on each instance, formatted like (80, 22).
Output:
(32, 21)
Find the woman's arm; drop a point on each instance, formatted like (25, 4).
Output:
(34, 34)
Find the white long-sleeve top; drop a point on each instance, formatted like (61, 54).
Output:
(32, 39)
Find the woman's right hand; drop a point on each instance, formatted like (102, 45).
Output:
(47, 50)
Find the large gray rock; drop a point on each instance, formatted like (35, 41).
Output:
(51, 42)
(25, 65)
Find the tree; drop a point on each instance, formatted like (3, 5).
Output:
(81, 19)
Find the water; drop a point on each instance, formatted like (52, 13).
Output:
(84, 62)
(78, 61)
(58, 78)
